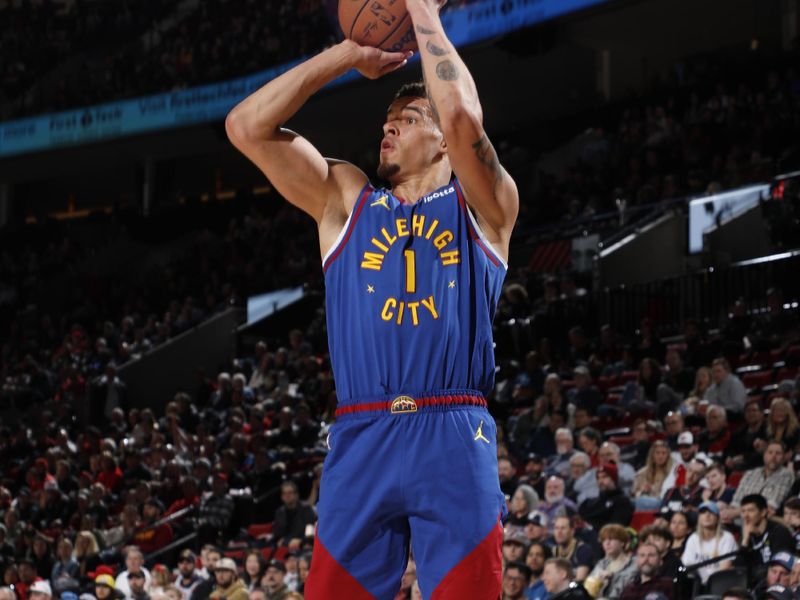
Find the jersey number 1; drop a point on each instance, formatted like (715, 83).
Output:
(411, 273)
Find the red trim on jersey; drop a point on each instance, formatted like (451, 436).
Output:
(359, 207)
(479, 575)
(328, 580)
(472, 233)
(455, 400)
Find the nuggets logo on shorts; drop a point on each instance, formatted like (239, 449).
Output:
(403, 404)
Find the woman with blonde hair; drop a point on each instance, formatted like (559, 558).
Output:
(86, 553)
(709, 541)
(702, 381)
(617, 568)
(649, 480)
(782, 424)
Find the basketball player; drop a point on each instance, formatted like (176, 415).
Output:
(413, 274)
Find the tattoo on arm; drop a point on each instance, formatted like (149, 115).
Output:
(435, 50)
(486, 155)
(446, 71)
(425, 30)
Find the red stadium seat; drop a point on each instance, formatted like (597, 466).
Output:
(787, 373)
(258, 530)
(606, 381)
(793, 354)
(280, 553)
(642, 518)
(622, 440)
(266, 553)
(237, 555)
(757, 380)
(627, 376)
(734, 478)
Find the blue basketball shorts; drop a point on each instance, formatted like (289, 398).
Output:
(423, 475)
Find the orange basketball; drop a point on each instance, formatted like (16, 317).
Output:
(383, 24)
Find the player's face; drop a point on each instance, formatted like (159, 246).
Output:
(412, 141)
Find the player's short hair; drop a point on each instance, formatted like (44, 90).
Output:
(415, 89)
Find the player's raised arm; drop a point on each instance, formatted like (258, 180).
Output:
(295, 167)
(454, 99)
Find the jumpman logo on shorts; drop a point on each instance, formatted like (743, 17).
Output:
(479, 434)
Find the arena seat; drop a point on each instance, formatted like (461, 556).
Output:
(757, 380)
(257, 530)
(734, 478)
(642, 518)
(627, 376)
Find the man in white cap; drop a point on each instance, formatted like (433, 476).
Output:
(40, 590)
(229, 586)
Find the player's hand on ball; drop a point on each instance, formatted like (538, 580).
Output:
(374, 62)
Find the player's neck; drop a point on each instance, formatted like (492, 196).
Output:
(414, 187)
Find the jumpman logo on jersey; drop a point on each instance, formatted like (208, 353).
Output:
(479, 434)
(382, 201)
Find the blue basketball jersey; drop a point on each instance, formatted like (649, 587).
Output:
(411, 292)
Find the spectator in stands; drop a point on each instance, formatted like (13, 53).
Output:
(761, 537)
(747, 446)
(676, 383)
(544, 442)
(709, 541)
(559, 463)
(727, 390)
(673, 427)
(40, 590)
(514, 546)
(688, 496)
(136, 583)
(506, 472)
(779, 571)
(617, 567)
(152, 535)
(293, 519)
(589, 441)
(582, 483)
(104, 587)
(681, 525)
(107, 393)
(216, 510)
(272, 580)
(524, 500)
(791, 518)
(557, 577)
(716, 437)
(534, 473)
(569, 547)
(773, 481)
(187, 577)
(253, 569)
(637, 452)
(716, 489)
(556, 504)
(642, 394)
(515, 581)
(228, 584)
(648, 564)
(702, 383)
(6, 593)
(661, 538)
(134, 563)
(609, 452)
(585, 394)
(536, 527)
(203, 589)
(611, 505)
(66, 571)
(782, 424)
(538, 554)
(162, 579)
(647, 487)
